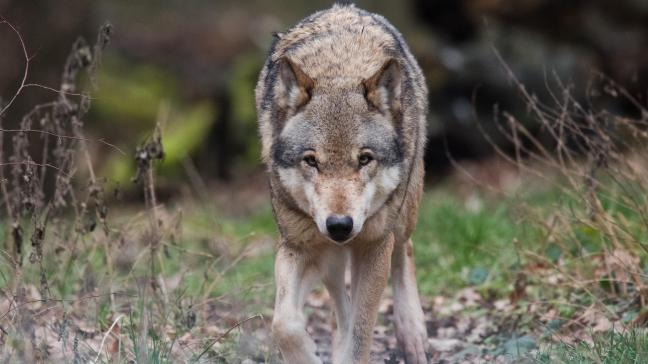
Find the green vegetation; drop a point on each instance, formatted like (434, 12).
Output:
(606, 348)
(554, 270)
(153, 97)
(209, 260)
(457, 246)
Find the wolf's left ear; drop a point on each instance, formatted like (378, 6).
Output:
(383, 89)
(296, 86)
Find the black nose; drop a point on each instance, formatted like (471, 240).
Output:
(339, 227)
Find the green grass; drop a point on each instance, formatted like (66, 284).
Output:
(607, 348)
(456, 246)
(453, 244)
(230, 261)
(249, 270)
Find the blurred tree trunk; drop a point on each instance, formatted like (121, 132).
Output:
(221, 135)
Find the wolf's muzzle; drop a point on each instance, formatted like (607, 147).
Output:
(339, 227)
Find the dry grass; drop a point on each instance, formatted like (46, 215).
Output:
(81, 281)
(584, 271)
(78, 284)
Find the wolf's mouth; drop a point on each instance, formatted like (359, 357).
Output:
(340, 242)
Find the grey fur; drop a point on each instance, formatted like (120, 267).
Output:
(342, 108)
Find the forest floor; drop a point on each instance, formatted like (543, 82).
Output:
(495, 287)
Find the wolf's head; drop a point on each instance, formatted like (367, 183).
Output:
(336, 148)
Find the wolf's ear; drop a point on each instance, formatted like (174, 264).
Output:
(383, 89)
(296, 87)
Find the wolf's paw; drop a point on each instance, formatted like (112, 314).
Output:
(414, 344)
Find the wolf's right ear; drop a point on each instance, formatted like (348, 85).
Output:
(295, 89)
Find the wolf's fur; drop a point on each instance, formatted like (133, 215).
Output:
(337, 90)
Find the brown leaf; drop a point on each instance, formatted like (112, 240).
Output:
(519, 288)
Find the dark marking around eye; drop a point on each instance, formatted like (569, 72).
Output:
(385, 145)
(286, 154)
(388, 152)
(288, 149)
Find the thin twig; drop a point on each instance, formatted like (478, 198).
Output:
(32, 163)
(64, 300)
(220, 337)
(57, 90)
(56, 135)
(103, 340)
(26, 68)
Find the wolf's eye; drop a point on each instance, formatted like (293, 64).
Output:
(310, 160)
(364, 159)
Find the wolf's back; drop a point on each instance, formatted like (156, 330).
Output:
(338, 46)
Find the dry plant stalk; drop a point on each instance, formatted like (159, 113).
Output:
(597, 160)
(55, 199)
(31, 208)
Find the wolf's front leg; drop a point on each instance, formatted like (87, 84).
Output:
(370, 264)
(295, 279)
(408, 314)
(333, 263)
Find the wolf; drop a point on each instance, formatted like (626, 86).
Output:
(342, 108)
